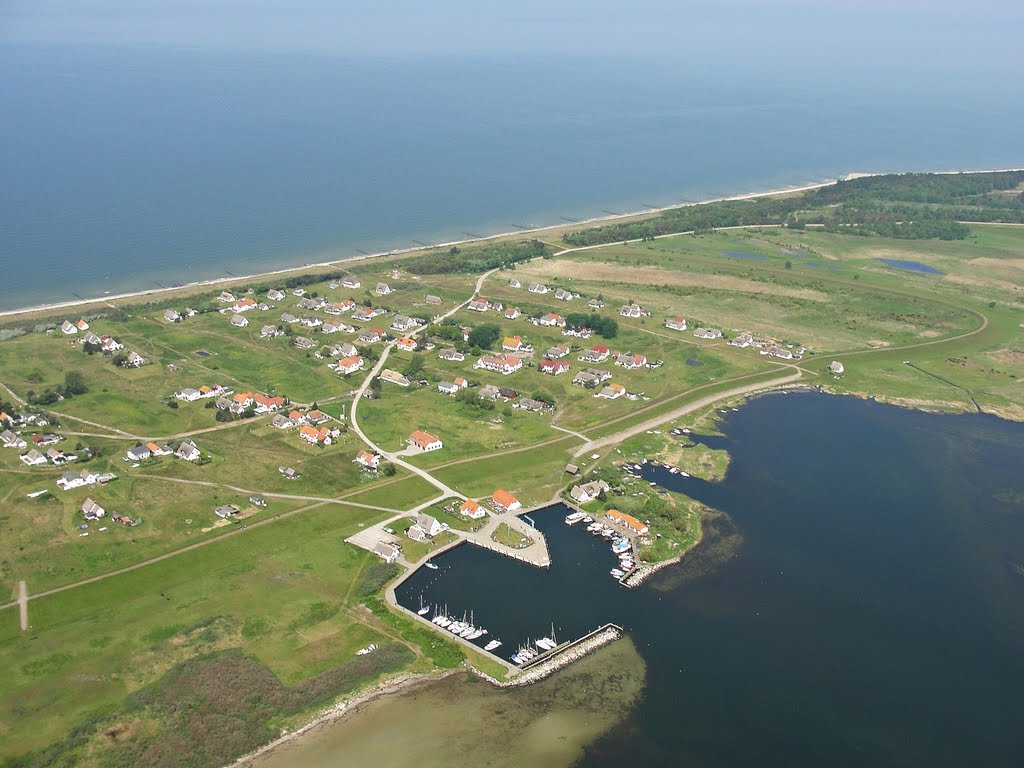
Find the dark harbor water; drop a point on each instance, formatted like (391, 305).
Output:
(862, 603)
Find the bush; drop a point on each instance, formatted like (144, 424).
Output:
(376, 576)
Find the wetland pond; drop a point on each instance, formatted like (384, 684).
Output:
(858, 600)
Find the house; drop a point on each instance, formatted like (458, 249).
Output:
(243, 305)
(58, 458)
(580, 333)
(424, 441)
(288, 473)
(512, 344)
(363, 314)
(275, 294)
(529, 404)
(110, 344)
(341, 307)
(239, 321)
(303, 342)
(612, 392)
(630, 361)
(503, 501)
(776, 351)
(587, 492)
(503, 364)
(33, 458)
(416, 533)
(537, 288)
(315, 436)
(431, 299)
(367, 459)
(371, 336)
(350, 364)
(226, 511)
(71, 480)
(257, 501)
(280, 421)
(742, 341)
(386, 552)
(553, 367)
(351, 282)
(344, 350)
(557, 352)
(311, 322)
(489, 392)
(836, 367)
(382, 289)
(82, 325)
(394, 377)
(447, 388)
(429, 524)
(288, 317)
(595, 304)
(91, 338)
(596, 354)
(135, 360)
(676, 323)
(479, 305)
(311, 304)
(406, 344)
(513, 283)
(508, 393)
(513, 313)
(188, 451)
(572, 469)
(333, 326)
(632, 310)
(270, 331)
(91, 510)
(708, 333)
(317, 417)
(300, 292)
(11, 439)
(69, 328)
(159, 450)
(552, 320)
(137, 453)
(403, 323)
(226, 296)
(451, 354)
(188, 394)
(628, 521)
(472, 509)
(563, 295)
(586, 380)
(172, 316)
(265, 404)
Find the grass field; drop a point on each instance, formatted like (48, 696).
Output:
(286, 591)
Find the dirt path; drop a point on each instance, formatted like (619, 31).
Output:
(23, 605)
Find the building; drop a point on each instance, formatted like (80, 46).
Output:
(513, 313)
(612, 392)
(394, 377)
(776, 351)
(586, 379)
(563, 295)
(677, 323)
(382, 289)
(553, 367)
(552, 320)
(479, 305)
(351, 282)
(595, 304)
(503, 501)
(512, 344)
(632, 310)
(431, 299)
(71, 480)
(275, 294)
(226, 511)
(537, 288)
(33, 458)
(226, 296)
(596, 354)
(270, 332)
(350, 364)
(448, 388)
(708, 333)
(368, 460)
(137, 453)
(513, 283)
(630, 361)
(314, 435)
(587, 492)
(489, 392)
(239, 321)
(530, 405)
(385, 551)
(403, 323)
(503, 364)
(135, 360)
(837, 368)
(11, 439)
(424, 441)
(188, 451)
(451, 354)
(92, 510)
(416, 533)
(628, 521)
(172, 316)
(429, 524)
(69, 328)
(344, 350)
(372, 336)
(406, 344)
(472, 509)
(742, 341)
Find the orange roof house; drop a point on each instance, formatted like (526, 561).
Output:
(424, 441)
(627, 520)
(472, 509)
(505, 501)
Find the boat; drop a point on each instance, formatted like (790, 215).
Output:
(476, 633)
(574, 518)
(616, 573)
(492, 645)
(683, 474)
(620, 545)
(430, 565)
(545, 644)
(424, 609)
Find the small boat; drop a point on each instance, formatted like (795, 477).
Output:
(683, 474)
(616, 573)
(545, 644)
(430, 565)
(424, 609)
(476, 633)
(574, 518)
(492, 645)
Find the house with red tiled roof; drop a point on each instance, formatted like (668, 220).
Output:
(350, 364)
(424, 441)
(677, 323)
(627, 521)
(552, 319)
(472, 509)
(553, 367)
(504, 501)
(406, 344)
(367, 459)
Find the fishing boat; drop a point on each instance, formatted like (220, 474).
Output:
(430, 565)
(492, 645)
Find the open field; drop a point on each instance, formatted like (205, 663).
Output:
(286, 590)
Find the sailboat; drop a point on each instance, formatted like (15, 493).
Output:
(492, 645)
(424, 609)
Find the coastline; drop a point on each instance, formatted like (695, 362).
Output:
(357, 259)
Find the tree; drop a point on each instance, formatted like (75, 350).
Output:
(74, 383)
(789, 264)
(415, 365)
(388, 469)
(484, 335)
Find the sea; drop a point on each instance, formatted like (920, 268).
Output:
(859, 600)
(129, 168)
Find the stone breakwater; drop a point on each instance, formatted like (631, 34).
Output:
(559, 658)
(640, 575)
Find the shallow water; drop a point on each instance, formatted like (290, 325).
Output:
(912, 266)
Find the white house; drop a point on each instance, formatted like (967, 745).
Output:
(708, 333)
(367, 459)
(351, 282)
(385, 551)
(91, 510)
(677, 323)
(11, 439)
(587, 492)
(552, 320)
(836, 367)
(172, 316)
(513, 283)
(382, 289)
(33, 458)
(70, 480)
(429, 524)
(632, 310)
(403, 323)
(275, 294)
(69, 328)
(424, 441)
(135, 360)
(137, 453)
(188, 451)
(537, 288)
(239, 321)
(452, 354)
(479, 305)
(472, 509)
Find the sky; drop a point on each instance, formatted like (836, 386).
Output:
(901, 38)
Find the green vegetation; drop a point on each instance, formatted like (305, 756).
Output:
(510, 537)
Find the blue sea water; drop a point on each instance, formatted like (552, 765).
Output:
(126, 168)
